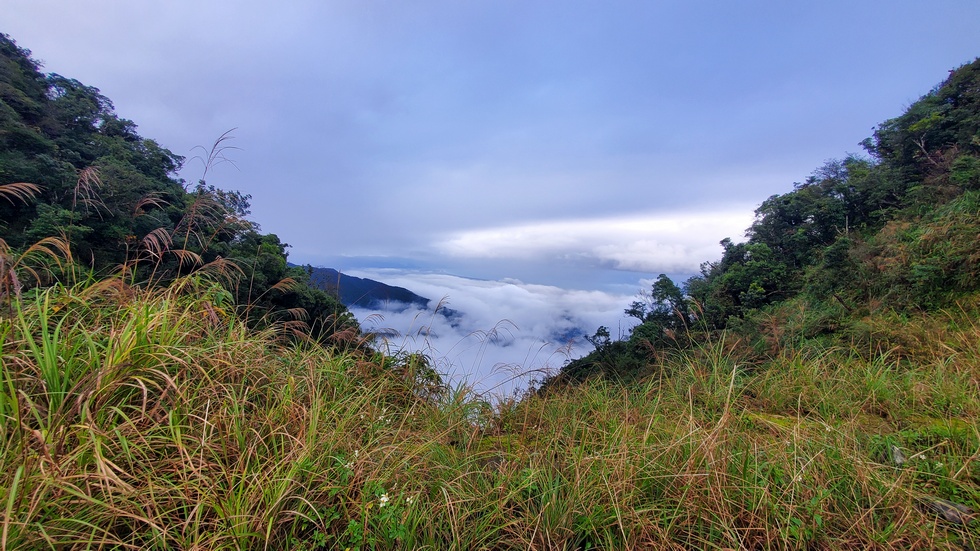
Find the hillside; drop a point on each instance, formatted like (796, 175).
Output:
(363, 292)
(892, 231)
(80, 183)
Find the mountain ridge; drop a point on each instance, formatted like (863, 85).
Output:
(362, 291)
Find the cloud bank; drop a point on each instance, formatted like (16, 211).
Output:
(505, 333)
(654, 243)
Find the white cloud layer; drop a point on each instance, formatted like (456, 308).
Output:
(653, 243)
(507, 332)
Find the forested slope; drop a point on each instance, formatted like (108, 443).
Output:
(78, 180)
(895, 229)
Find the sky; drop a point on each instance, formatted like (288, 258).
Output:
(563, 152)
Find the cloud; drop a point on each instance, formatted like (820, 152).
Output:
(506, 332)
(670, 243)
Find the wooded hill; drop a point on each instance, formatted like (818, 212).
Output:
(895, 229)
(363, 292)
(80, 182)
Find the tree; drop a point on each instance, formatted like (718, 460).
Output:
(116, 198)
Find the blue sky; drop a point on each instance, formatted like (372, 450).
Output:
(574, 145)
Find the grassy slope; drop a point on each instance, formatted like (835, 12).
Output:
(135, 419)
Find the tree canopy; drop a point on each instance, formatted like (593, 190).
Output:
(895, 228)
(114, 197)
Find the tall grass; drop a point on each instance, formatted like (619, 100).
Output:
(155, 419)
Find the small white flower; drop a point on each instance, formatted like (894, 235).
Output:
(409, 500)
(383, 500)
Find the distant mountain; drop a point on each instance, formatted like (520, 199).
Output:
(363, 292)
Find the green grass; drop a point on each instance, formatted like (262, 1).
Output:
(136, 419)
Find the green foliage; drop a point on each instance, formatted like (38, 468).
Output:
(748, 276)
(665, 319)
(894, 231)
(601, 340)
(112, 195)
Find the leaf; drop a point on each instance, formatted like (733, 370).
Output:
(21, 191)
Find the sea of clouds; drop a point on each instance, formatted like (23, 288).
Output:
(497, 337)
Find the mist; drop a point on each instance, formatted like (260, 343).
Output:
(497, 337)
